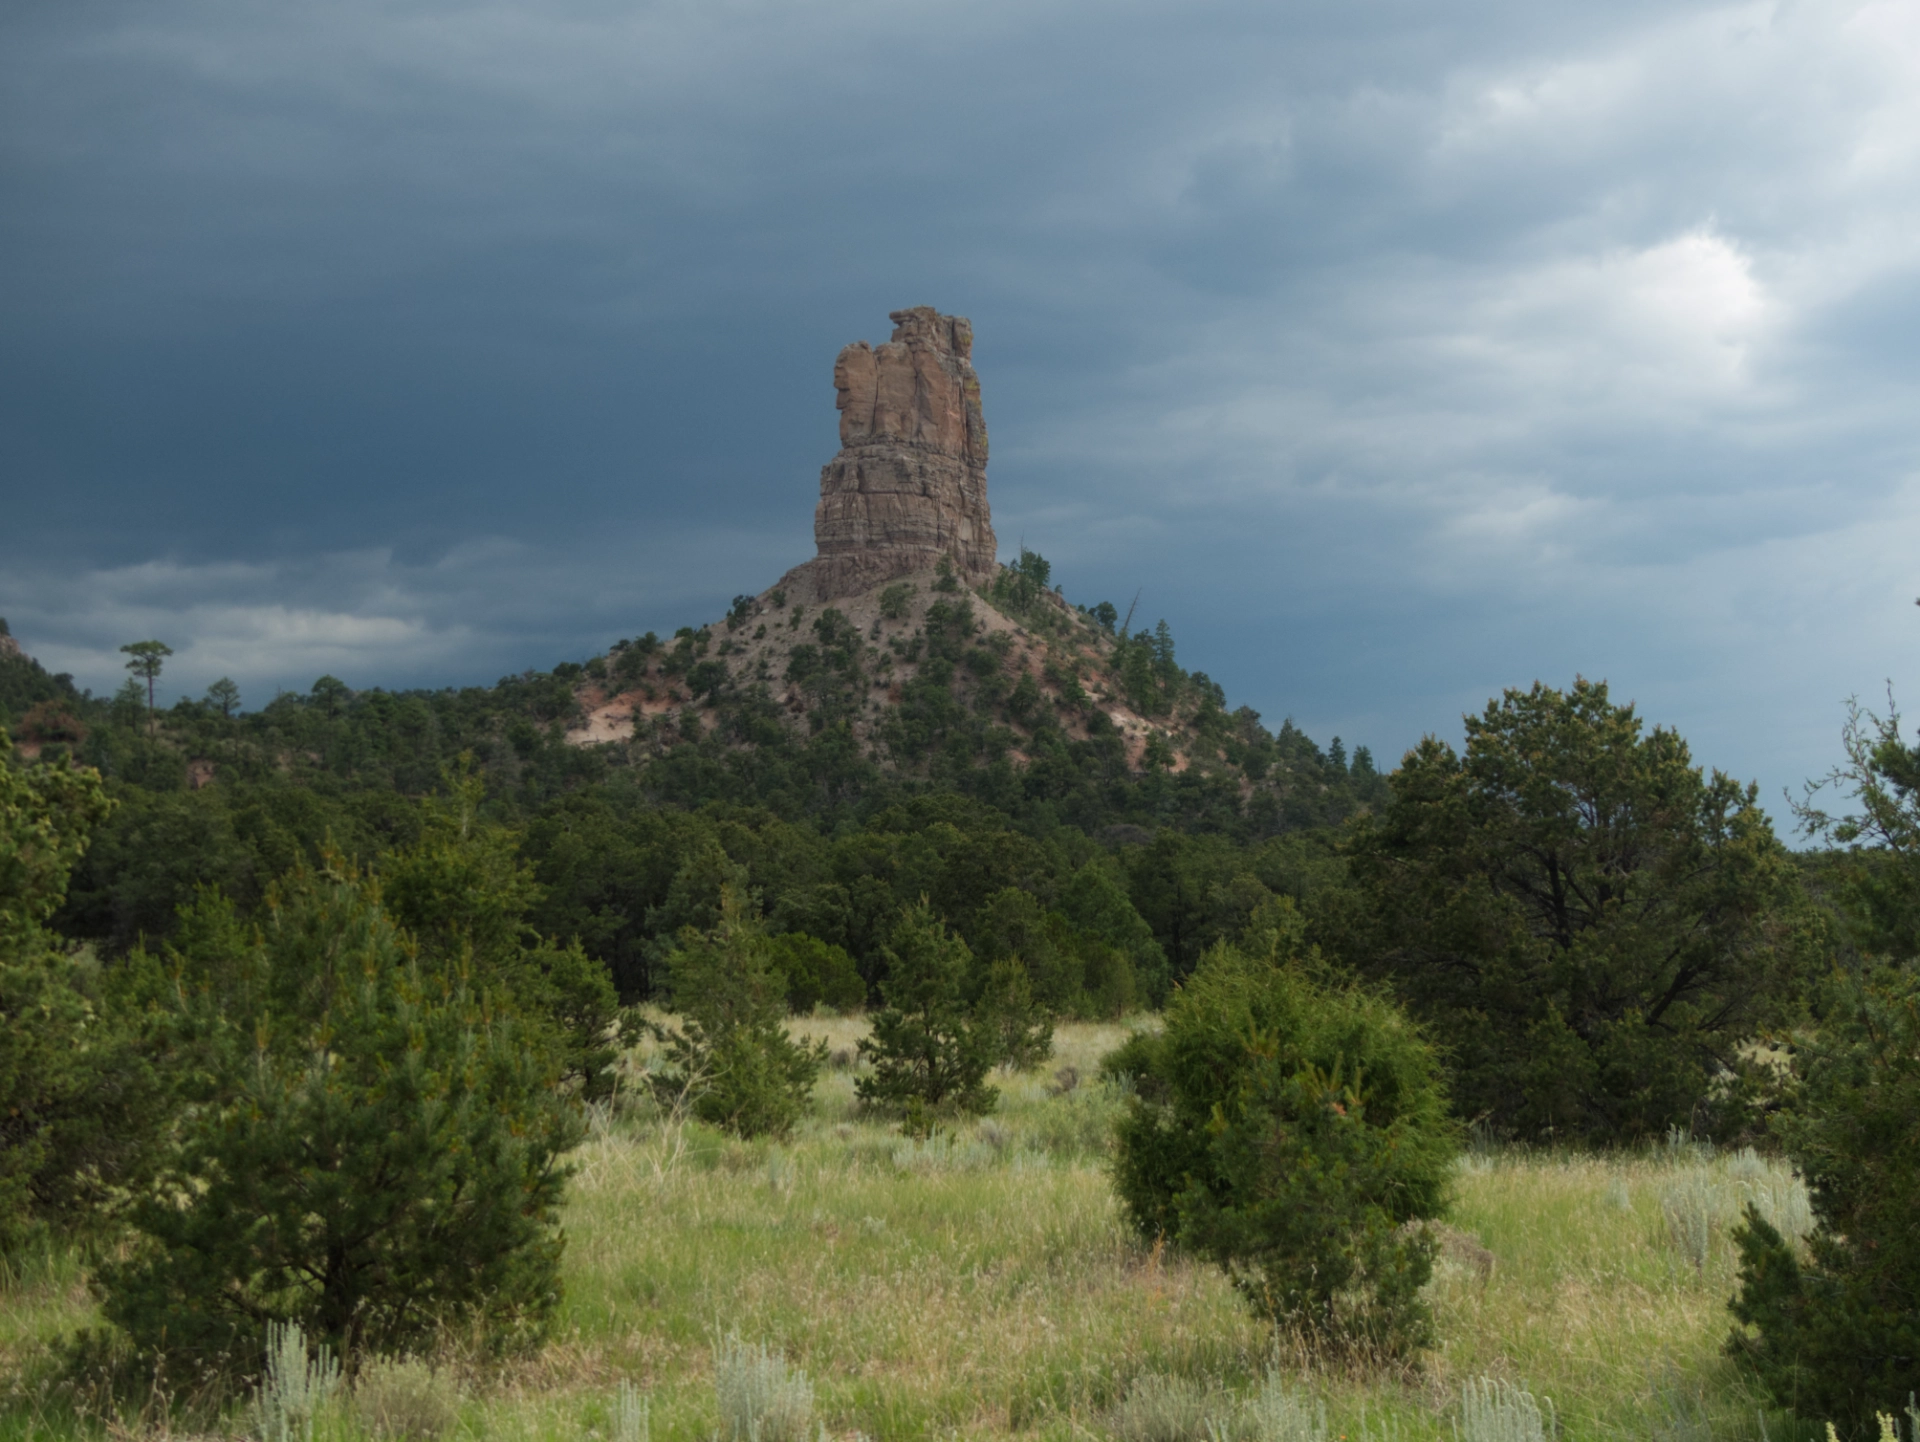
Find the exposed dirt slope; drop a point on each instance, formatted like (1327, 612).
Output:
(859, 657)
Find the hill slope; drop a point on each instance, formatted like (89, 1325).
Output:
(924, 678)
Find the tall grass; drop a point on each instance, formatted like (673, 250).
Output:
(1495, 1411)
(405, 1398)
(982, 1284)
(1170, 1409)
(1278, 1412)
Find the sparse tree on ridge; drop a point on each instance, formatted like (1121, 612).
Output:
(332, 693)
(224, 696)
(145, 659)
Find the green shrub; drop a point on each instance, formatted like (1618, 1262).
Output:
(1836, 1333)
(895, 600)
(80, 1105)
(817, 972)
(732, 1057)
(372, 1150)
(1018, 1027)
(1289, 1129)
(927, 1048)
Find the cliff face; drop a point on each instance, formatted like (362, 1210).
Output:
(910, 483)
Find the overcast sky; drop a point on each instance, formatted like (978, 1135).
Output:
(1395, 353)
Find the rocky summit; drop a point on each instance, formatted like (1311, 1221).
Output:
(909, 485)
(904, 585)
(906, 644)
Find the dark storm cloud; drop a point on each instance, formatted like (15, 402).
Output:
(1398, 353)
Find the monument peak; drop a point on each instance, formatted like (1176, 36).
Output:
(909, 485)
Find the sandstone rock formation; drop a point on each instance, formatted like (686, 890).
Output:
(910, 483)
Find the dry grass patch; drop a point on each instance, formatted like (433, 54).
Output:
(982, 1284)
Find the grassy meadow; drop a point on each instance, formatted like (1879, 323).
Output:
(981, 1284)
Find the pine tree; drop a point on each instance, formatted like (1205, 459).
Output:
(1598, 926)
(463, 892)
(1019, 1027)
(731, 1056)
(1832, 1321)
(373, 1149)
(224, 696)
(927, 1049)
(145, 660)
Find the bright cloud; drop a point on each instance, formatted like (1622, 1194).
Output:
(1652, 331)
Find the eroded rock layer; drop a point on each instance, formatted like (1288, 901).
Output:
(910, 483)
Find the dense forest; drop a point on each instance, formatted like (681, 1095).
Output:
(1109, 881)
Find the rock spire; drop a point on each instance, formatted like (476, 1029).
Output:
(910, 483)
